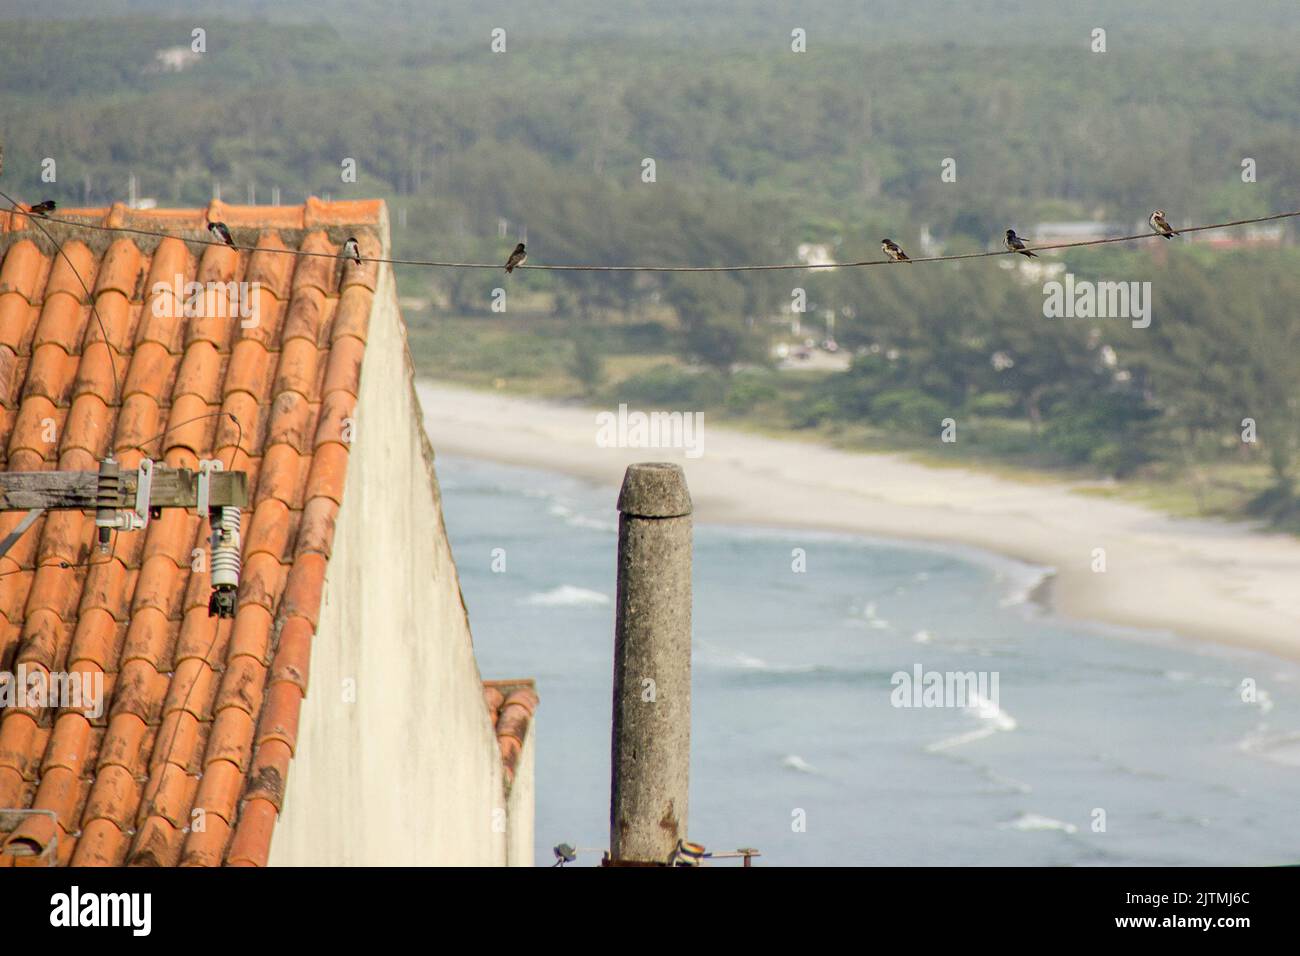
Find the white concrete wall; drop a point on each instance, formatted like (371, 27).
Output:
(409, 774)
(521, 803)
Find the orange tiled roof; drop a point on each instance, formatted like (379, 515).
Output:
(199, 713)
(511, 705)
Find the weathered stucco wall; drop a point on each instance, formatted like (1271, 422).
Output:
(522, 801)
(407, 771)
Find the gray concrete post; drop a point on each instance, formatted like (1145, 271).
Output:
(652, 666)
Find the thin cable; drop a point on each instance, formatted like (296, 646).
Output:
(435, 263)
(112, 362)
(239, 437)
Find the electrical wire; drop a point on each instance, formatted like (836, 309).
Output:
(788, 266)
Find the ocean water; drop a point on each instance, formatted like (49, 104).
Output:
(796, 747)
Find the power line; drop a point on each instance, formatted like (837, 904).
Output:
(435, 263)
(108, 345)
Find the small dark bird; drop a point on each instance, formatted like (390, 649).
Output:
(1161, 225)
(222, 232)
(351, 250)
(892, 249)
(43, 208)
(564, 854)
(1016, 244)
(517, 258)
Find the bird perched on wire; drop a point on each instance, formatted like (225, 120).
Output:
(1161, 225)
(222, 232)
(892, 249)
(351, 250)
(43, 208)
(517, 258)
(1016, 244)
(564, 853)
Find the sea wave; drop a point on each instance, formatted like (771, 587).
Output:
(576, 520)
(567, 595)
(992, 719)
(1021, 582)
(795, 762)
(1031, 822)
(1281, 748)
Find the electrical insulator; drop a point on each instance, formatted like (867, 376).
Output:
(225, 547)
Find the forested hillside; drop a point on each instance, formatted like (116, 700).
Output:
(756, 150)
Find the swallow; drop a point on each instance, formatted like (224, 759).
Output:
(43, 208)
(1016, 244)
(222, 232)
(1161, 225)
(517, 258)
(892, 249)
(351, 250)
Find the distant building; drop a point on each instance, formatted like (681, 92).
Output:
(1082, 230)
(173, 59)
(816, 254)
(1242, 237)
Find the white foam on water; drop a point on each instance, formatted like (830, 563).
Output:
(567, 595)
(991, 716)
(795, 762)
(1034, 822)
(1281, 748)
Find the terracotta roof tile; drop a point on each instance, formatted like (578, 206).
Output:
(121, 270)
(20, 739)
(266, 315)
(150, 637)
(297, 371)
(280, 716)
(95, 639)
(319, 271)
(292, 422)
(206, 847)
(73, 271)
(181, 736)
(62, 322)
(123, 743)
(271, 270)
(316, 530)
(232, 738)
(305, 586)
(23, 271)
(353, 315)
(102, 843)
(219, 789)
(281, 475)
(156, 843)
(329, 471)
(200, 713)
(511, 705)
(139, 690)
(306, 318)
(293, 654)
(252, 841)
(252, 635)
(343, 372)
(40, 639)
(336, 421)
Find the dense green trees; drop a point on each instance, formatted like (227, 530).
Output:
(757, 150)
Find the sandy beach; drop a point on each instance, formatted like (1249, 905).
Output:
(1207, 580)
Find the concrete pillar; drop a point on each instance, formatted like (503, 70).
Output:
(652, 666)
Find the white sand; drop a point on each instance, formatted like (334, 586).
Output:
(1202, 579)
